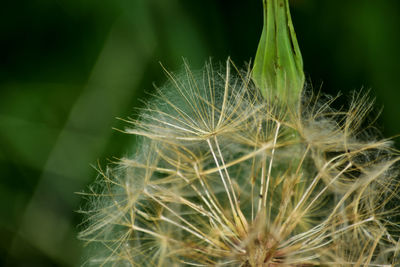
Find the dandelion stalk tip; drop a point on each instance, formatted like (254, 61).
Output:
(278, 65)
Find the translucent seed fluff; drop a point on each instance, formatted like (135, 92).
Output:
(221, 176)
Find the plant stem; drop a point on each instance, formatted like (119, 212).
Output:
(278, 66)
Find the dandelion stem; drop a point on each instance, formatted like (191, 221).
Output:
(278, 65)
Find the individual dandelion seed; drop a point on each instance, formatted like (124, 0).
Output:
(246, 168)
(224, 178)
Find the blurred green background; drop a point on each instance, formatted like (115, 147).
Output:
(68, 68)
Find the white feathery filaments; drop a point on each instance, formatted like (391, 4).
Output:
(265, 182)
(223, 177)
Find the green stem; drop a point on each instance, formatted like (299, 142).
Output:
(278, 66)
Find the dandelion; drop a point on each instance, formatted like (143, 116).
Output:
(226, 174)
(224, 178)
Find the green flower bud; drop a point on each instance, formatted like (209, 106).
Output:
(278, 66)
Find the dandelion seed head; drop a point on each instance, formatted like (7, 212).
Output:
(225, 177)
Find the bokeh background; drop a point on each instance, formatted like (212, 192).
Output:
(68, 68)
